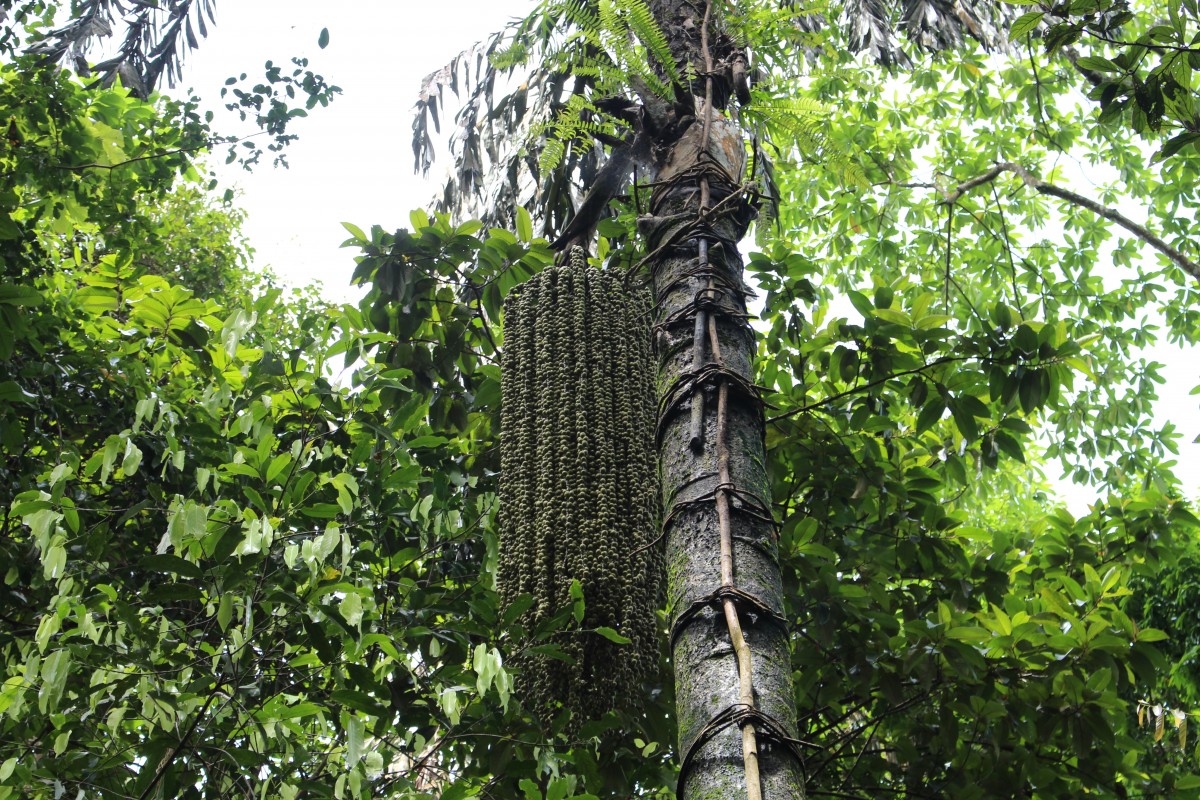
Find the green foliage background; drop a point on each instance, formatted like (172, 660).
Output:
(248, 546)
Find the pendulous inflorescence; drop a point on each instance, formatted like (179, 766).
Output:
(579, 485)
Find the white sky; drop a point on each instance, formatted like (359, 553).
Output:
(353, 161)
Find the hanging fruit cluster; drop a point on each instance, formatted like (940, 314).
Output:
(579, 485)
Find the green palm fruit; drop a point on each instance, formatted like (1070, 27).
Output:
(579, 486)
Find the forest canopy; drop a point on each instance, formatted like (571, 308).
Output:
(250, 538)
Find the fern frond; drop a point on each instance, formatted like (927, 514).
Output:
(645, 28)
(582, 14)
(609, 78)
(644, 71)
(577, 104)
(799, 119)
(795, 106)
(803, 120)
(806, 130)
(510, 57)
(613, 31)
(851, 171)
(618, 38)
(551, 155)
(577, 121)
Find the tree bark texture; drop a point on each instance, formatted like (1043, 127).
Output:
(729, 637)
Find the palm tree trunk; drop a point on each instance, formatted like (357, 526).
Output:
(729, 637)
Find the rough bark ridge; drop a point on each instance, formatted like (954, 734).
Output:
(737, 718)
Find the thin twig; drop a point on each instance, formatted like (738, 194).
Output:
(1111, 214)
(194, 148)
(174, 751)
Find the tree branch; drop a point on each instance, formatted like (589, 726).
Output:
(173, 752)
(868, 386)
(207, 143)
(1112, 215)
(604, 187)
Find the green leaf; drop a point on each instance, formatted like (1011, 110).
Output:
(132, 459)
(428, 441)
(351, 609)
(278, 464)
(9, 690)
(931, 413)
(1025, 339)
(894, 316)
(964, 420)
(861, 303)
(300, 710)
(321, 510)
(524, 225)
(519, 606)
(1024, 24)
(1097, 64)
(1009, 445)
(970, 634)
(323, 41)
(225, 610)
(10, 392)
(1030, 391)
(54, 561)
(327, 648)
(20, 296)
(236, 325)
(577, 604)
(96, 301)
(9, 229)
(613, 636)
(1174, 145)
(55, 669)
(561, 788)
(359, 701)
(355, 730)
(172, 564)
(931, 321)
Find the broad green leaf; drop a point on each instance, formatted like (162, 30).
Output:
(355, 731)
(20, 296)
(894, 316)
(225, 610)
(613, 636)
(132, 458)
(1024, 24)
(54, 561)
(234, 328)
(351, 609)
(524, 225)
(427, 441)
(172, 564)
(577, 602)
(11, 392)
